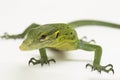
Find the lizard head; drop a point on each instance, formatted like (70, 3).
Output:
(49, 35)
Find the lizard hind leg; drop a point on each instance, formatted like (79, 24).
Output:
(84, 38)
(19, 36)
(92, 41)
(7, 36)
(97, 57)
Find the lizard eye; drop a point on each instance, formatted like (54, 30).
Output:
(42, 37)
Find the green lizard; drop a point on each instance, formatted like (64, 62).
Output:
(62, 37)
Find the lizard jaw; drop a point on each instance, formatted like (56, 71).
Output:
(26, 45)
(23, 47)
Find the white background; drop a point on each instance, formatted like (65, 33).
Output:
(16, 15)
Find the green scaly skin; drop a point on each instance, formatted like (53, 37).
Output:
(61, 37)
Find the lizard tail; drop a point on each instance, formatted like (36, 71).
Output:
(81, 23)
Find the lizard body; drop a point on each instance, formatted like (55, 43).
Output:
(62, 37)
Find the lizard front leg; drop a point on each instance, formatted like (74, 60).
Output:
(44, 59)
(97, 57)
(22, 35)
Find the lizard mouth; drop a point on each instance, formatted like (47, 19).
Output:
(31, 45)
(26, 45)
(23, 47)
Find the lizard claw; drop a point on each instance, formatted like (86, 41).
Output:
(109, 65)
(6, 36)
(100, 68)
(33, 61)
(92, 41)
(84, 38)
(111, 69)
(41, 61)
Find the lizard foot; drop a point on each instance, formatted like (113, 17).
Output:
(7, 36)
(100, 68)
(92, 41)
(84, 38)
(41, 61)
